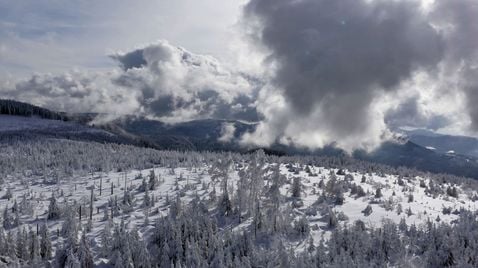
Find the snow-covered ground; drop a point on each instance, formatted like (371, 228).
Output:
(389, 197)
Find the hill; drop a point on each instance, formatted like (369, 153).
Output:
(162, 208)
(207, 135)
(12, 107)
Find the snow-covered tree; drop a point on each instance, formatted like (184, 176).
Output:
(8, 221)
(53, 209)
(33, 246)
(45, 243)
(296, 187)
(84, 253)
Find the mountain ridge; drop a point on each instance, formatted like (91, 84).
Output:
(205, 134)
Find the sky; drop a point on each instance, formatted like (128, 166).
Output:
(54, 35)
(309, 72)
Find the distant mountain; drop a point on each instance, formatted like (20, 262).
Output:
(204, 135)
(412, 155)
(444, 143)
(193, 135)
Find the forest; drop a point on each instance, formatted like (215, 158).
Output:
(84, 204)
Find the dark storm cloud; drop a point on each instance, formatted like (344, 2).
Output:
(458, 23)
(333, 56)
(207, 104)
(334, 71)
(410, 114)
(177, 85)
(133, 59)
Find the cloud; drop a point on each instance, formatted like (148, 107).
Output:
(76, 92)
(410, 113)
(159, 80)
(54, 36)
(227, 132)
(333, 60)
(130, 60)
(177, 85)
(335, 71)
(458, 24)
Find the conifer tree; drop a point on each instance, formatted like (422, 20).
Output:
(296, 187)
(7, 219)
(45, 243)
(10, 247)
(53, 209)
(33, 246)
(21, 244)
(84, 253)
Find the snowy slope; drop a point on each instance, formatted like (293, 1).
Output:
(10, 123)
(317, 196)
(34, 128)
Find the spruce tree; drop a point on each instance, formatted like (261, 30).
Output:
(45, 243)
(84, 253)
(53, 209)
(33, 246)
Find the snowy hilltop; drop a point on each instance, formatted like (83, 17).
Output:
(79, 204)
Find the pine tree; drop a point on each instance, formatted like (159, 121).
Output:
(71, 260)
(106, 216)
(34, 246)
(409, 212)
(2, 241)
(69, 227)
(45, 243)
(84, 253)
(220, 171)
(175, 209)
(7, 219)
(296, 187)
(153, 202)
(53, 209)
(257, 218)
(116, 260)
(92, 200)
(275, 198)
(332, 223)
(126, 252)
(89, 226)
(367, 211)
(16, 211)
(106, 237)
(146, 217)
(139, 252)
(143, 186)
(10, 247)
(165, 260)
(402, 226)
(399, 209)
(193, 258)
(21, 245)
(378, 193)
(8, 195)
(225, 205)
(146, 199)
(153, 183)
